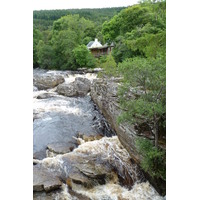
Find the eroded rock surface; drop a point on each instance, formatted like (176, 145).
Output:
(80, 87)
(46, 81)
(66, 89)
(104, 94)
(90, 164)
(44, 180)
(40, 155)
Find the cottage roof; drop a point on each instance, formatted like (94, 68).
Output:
(94, 44)
(90, 44)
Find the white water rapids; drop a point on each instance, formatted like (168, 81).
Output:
(59, 118)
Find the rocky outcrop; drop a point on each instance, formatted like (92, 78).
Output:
(104, 94)
(44, 180)
(80, 87)
(92, 163)
(66, 89)
(46, 81)
(40, 155)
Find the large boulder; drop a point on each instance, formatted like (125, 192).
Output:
(67, 89)
(46, 81)
(80, 87)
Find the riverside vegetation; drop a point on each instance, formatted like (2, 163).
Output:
(139, 59)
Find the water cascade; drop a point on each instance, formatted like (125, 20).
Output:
(76, 154)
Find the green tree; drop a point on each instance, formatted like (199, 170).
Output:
(146, 79)
(121, 50)
(83, 56)
(154, 159)
(45, 55)
(86, 40)
(63, 43)
(109, 66)
(37, 36)
(100, 38)
(80, 26)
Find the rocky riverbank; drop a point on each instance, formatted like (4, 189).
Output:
(104, 94)
(73, 158)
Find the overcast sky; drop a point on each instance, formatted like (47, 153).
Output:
(66, 4)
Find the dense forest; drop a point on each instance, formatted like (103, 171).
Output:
(88, 22)
(139, 56)
(44, 19)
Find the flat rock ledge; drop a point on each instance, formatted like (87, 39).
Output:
(61, 147)
(43, 180)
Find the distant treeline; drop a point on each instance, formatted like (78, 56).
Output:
(44, 19)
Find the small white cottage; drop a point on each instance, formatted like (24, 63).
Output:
(97, 49)
(94, 44)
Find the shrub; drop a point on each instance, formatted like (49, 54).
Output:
(153, 160)
(109, 66)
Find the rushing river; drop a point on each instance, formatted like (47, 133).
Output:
(102, 164)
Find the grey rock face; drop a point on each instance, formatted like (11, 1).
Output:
(66, 89)
(40, 155)
(87, 165)
(104, 94)
(80, 87)
(46, 81)
(44, 180)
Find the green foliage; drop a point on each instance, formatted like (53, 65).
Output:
(83, 57)
(139, 30)
(80, 26)
(63, 42)
(45, 55)
(127, 20)
(148, 44)
(37, 36)
(44, 19)
(146, 80)
(100, 38)
(121, 50)
(86, 40)
(109, 66)
(67, 33)
(154, 159)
